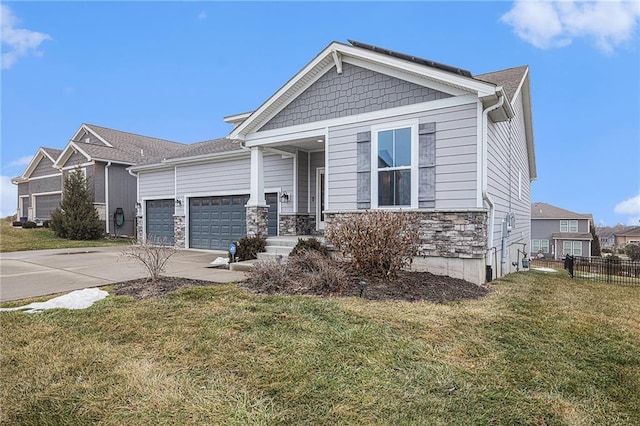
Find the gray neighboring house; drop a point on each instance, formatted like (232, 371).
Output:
(556, 232)
(103, 155)
(360, 128)
(39, 186)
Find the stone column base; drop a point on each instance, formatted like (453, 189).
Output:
(179, 231)
(139, 229)
(257, 221)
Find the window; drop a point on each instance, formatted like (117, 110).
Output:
(537, 245)
(573, 248)
(568, 226)
(394, 174)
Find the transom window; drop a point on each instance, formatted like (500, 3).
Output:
(394, 167)
(568, 226)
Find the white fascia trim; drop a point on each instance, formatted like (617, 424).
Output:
(404, 75)
(237, 117)
(317, 128)
(44, 177)
(283, 153)
(226, 193)
(517, 92)
(67, 152)
(104, 160)
(34, 163)
(415, 179)
(100, 138)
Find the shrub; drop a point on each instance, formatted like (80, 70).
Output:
(46, 223)
(17, 223)
(318, 273)
(376, 242)
(633, 251)
(309, 244)
(270, 277)
(249, 247)
(29, 225)
(153, 254)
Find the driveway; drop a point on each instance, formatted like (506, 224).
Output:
(42, 272)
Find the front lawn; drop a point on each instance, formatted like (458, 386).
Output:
(19, 239)
(539, 349)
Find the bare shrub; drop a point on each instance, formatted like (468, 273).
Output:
(154, 253)
(270, 277)
(376, 242)
(318, 273)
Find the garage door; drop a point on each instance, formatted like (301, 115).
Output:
(215, 222)
(45, 204)
(159, 219)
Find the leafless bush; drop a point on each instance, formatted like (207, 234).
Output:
(376, 242)
(308, 272)
(154, 254)
(270, 277)
(318, 273)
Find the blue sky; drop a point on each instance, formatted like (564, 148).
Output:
(174, 70)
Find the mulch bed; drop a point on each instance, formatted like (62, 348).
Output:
(408, 286)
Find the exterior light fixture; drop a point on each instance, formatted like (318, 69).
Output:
(284, 197)
(179, 202)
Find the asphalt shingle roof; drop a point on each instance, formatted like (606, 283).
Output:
(547, 211)
(509, 79)
(54, 153)
(208, 147)
(127, 147)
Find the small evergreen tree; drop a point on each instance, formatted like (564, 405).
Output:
(76, 218)
(595, 244)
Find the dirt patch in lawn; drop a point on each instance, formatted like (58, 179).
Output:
(409, 286)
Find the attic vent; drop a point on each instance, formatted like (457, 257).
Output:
(88, 140)
(142, 152)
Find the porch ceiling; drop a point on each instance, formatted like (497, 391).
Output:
(305, 144)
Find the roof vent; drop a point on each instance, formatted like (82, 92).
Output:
(142, 152)
(88, 140)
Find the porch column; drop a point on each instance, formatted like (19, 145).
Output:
(256, 209)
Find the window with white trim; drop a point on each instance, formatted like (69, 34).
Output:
(568, 226)
(394, 173)
(573, 248)
(540, 245)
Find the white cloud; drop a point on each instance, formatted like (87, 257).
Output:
(630, 207)
(202, 15)
(8, 197)
(20, 162)
(17, 42)
(548, 24)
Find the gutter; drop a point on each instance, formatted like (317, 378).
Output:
(483, 151)
(106, 195)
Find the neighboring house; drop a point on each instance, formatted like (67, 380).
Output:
(630, 235)
(606, 236)
(359, 128)
(103, 155)
(39, 186)
(556, 232)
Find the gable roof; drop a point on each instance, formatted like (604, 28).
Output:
(631, 231)
(510, 79)
(547, 211)
(428, 73)
(42, 152)
(117, 146)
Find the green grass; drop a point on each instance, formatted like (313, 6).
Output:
(540, 349)
(19, 239)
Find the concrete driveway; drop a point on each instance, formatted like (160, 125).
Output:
(38, 273)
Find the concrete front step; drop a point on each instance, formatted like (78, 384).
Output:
(246, 265)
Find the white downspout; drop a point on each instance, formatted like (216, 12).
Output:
(485, 195)
(106, 195)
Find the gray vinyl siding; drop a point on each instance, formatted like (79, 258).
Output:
(122, 193)
(543, 229)
(317, 161)
(506, 158)
(357, 90)
(75, 159)
(97, 181)
(44, 168)
(156, 184)
(89, 137)
(233, 176)
(23, 188)
(303, 182)
(51, 184)
(456, 157)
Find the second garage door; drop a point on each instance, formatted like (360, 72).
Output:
(160, 221)
(216, 222)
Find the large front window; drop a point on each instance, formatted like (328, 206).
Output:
(394, 167)
(573, 248)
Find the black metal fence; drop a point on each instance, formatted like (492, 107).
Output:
(611, 270)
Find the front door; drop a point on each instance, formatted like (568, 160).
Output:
(320, 185)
